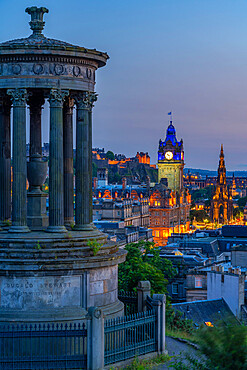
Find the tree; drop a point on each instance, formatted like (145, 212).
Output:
(94, 169)
(223, 347)
(114, 177)
(237, 212)
(200, 215)
(202, 194)
(144, 263)
(110, 155)
(242, 202)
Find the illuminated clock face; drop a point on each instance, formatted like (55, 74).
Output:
(169, 155)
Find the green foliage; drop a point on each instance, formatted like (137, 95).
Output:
(94, 169)
(176, 322)
(202, 194)
(147, 363)
(190, 337)
(139, 266)
(110, 155)
(114, 177)
(237, 212)
(194, 363)
(223, 347)
(94, 245)
(242, 202)
(207, 204)
(38, 246)
(200, 215)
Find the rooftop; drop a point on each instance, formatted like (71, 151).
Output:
(201, 312)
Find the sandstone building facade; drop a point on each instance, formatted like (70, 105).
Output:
(221, 207)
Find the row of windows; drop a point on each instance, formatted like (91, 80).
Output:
(163, 233)
(198, 284)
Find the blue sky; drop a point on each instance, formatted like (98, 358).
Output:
(181, 55)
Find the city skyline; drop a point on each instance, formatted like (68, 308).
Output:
(184, 56)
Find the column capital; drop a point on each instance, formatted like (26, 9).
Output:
(81, 100)
(92, 97)
(85, 99)
(57, 96)
(18, 96)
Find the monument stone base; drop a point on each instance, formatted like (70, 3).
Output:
(56, 278)
(37, 218)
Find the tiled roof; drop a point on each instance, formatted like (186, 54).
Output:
(205, 311)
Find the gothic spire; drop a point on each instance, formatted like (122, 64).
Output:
(221, 152)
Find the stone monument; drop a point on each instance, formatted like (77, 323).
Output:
(52, 269)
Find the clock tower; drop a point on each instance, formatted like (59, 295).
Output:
(171, 160)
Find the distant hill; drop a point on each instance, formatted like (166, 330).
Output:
(199, 171)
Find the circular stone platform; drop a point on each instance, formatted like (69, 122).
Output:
(47, 277)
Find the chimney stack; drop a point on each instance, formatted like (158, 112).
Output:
(95, 183)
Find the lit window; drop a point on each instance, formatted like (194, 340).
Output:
(198, 282)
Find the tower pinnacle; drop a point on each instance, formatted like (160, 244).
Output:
(221, 151)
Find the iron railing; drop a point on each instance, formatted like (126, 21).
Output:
(43, 347)
(126, 337)
(149, 303)
(130, 301)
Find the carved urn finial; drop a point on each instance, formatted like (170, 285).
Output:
(37, 24)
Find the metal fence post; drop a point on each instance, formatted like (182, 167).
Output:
(160, 301)
(143, 290)
(95, 339)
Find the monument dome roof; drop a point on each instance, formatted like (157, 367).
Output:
(35, 41)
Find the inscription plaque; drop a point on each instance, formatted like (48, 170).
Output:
(40, 292)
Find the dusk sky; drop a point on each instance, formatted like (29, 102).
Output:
(188, 56)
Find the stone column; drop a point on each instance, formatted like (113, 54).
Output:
(68, 162)
(83, 182)
(5, 159)
(56, 197)
(92, 99)
(19, 193)
(35, 103)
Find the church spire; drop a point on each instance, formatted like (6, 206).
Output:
(221, 152)
(221, 206)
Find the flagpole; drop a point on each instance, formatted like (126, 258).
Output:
(169, 117)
